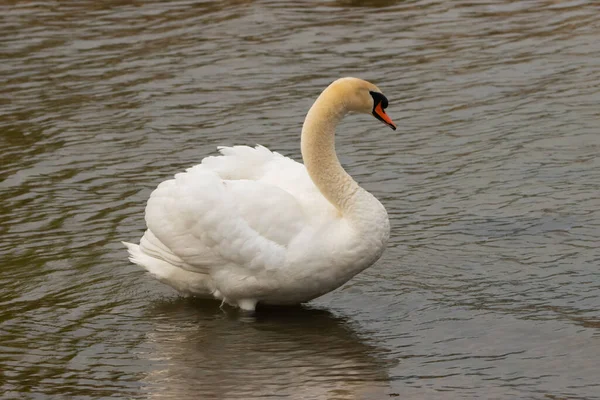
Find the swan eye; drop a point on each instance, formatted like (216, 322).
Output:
(379, 98)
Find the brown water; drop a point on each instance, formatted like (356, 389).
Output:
(490, 287)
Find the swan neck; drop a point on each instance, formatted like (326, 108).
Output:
(318, 151)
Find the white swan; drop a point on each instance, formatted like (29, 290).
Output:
(253, 226)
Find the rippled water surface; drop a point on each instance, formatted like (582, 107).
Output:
(490, 287)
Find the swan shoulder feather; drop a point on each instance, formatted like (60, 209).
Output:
(268, 167)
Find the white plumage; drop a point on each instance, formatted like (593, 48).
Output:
(254, 226)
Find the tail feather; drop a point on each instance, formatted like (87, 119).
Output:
(178, 278)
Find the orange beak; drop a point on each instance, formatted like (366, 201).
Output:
(383, 117)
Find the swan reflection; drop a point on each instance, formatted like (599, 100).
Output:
(198, 351)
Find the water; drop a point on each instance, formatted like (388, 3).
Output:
(490, 287)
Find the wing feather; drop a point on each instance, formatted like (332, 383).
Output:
(262, 165)
(241, 208)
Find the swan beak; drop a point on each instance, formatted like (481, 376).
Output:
(383, 117)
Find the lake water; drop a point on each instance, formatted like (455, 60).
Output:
(490, 286)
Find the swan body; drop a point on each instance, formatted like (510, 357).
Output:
(251, 225)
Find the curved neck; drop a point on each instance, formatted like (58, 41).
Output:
(318, 151)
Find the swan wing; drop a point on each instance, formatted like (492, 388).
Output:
(206, 217)
(261, 165)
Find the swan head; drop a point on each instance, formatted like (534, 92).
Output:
(363, 97)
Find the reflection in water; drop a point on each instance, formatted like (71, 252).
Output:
(300, 353)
